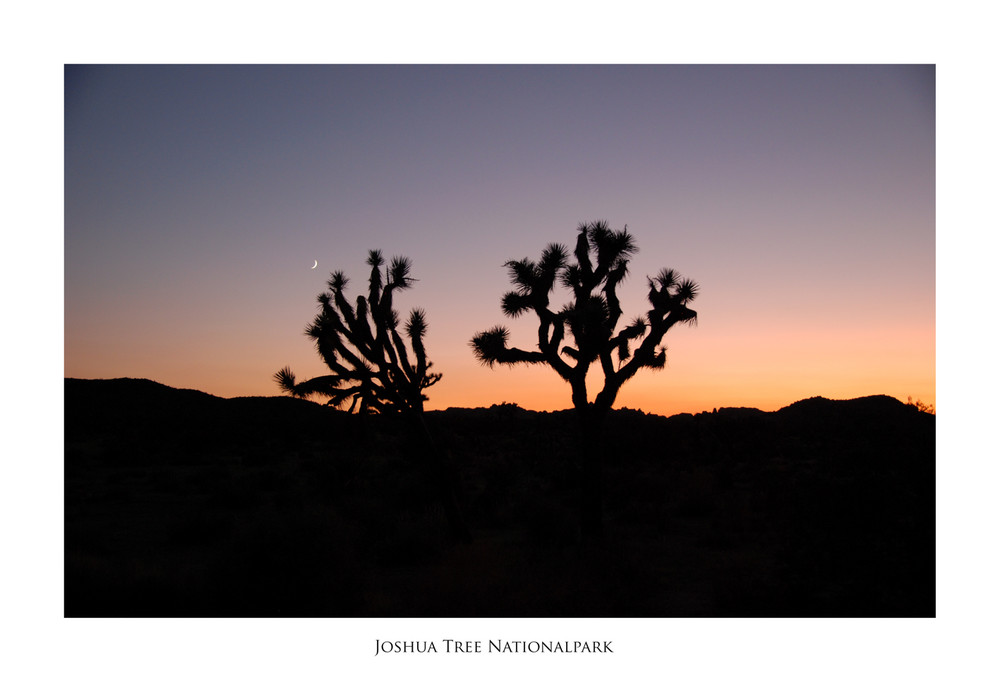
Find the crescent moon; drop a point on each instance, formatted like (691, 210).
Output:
(315, 263)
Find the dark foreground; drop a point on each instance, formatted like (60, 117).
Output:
(179, 503)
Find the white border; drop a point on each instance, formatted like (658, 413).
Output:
(44, 645)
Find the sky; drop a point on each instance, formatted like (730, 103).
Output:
(800, 198)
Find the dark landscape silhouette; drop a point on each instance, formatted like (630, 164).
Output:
(180, 503)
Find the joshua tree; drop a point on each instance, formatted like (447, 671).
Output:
(593, 273)
(371, 365)
(362, 346)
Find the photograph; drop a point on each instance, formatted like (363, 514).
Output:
(499, 341)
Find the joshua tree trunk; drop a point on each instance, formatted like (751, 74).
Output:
(592, 483)
(444, 478)
(590, 431)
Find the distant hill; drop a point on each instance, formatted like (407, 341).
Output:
(139, 413)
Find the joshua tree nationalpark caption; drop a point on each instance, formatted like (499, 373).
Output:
(493, 646)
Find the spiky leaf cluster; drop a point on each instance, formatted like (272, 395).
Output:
(586, 330)
(371, 365)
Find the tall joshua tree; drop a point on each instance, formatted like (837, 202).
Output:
(371, 365)
(586, 331)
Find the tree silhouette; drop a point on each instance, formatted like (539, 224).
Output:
(371, 365)
(362, 346)
(585, 331)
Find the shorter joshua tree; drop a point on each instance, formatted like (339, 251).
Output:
(585, 331)
(362, 346)
(372, 367)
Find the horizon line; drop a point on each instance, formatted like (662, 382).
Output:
(910, 401)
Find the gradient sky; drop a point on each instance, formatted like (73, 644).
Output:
(801, 198)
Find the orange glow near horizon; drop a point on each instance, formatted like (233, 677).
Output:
(702, 373)
(726, 360)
